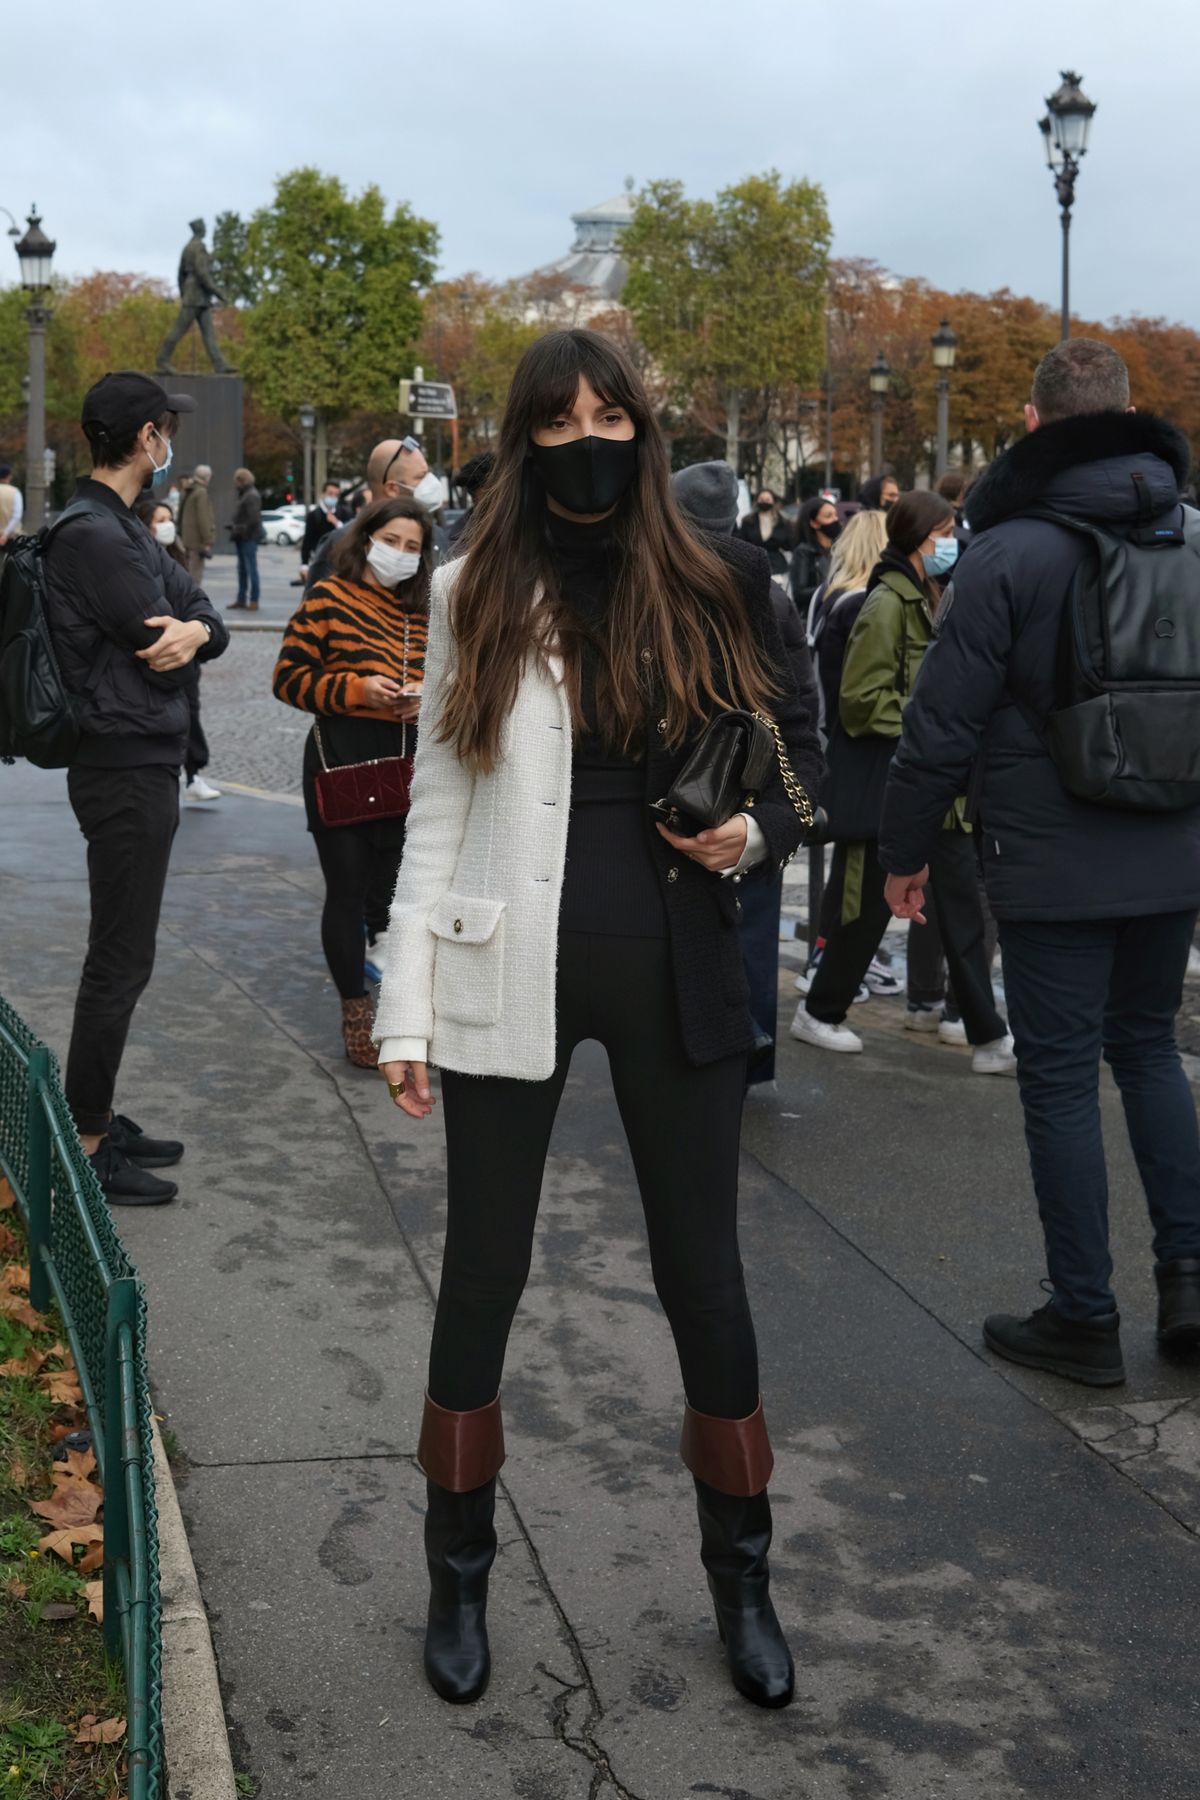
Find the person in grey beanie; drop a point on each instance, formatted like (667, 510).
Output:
(707, 495)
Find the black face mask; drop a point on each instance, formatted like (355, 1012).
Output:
(830, 532)
(588, 475)
(766, 506)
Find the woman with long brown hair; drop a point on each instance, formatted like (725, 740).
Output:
(575, 656)
(354, 654)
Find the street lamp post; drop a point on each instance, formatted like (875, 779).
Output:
(944, 344)
(308, 419)
(1065, 133)
(879, 377)
(35, 252)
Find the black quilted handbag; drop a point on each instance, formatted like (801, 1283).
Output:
(725, 774)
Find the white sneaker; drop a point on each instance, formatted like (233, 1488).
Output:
(808, 1030)
(951, 1031)
(199, 789)
(879, 979)
(922, 1018)
(996, 1058)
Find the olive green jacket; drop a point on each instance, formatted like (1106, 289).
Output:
(884, 652)
(883, 658)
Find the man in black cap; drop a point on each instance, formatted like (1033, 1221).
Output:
(126, 620)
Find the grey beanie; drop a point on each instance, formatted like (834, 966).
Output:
(708, 494)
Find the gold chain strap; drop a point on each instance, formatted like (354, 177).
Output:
(795, 793)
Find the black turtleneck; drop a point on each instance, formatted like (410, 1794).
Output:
(610, 886)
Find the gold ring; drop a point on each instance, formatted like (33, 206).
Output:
(395, 1089)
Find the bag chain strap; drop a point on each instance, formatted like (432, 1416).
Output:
(795, 793)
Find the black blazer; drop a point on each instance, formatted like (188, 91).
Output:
(702, 908)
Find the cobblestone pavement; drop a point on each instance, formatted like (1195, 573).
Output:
(252, 738)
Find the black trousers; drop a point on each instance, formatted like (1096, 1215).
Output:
(129, 818)
(360, 876)
(683, 1125)
(196, 755)
(954, 876)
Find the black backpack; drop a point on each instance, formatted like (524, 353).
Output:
(38, 716)
(1125, 727)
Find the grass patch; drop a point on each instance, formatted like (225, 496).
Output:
(56, 1684)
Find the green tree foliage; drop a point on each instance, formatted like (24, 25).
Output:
(230, 270)
(337, 295)
(728, 295)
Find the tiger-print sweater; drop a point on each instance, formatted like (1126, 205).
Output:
(341, 633)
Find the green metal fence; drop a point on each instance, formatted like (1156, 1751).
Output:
(77, 1257)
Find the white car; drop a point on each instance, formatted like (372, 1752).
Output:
(282, 528)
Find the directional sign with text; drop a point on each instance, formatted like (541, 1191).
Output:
(428, 400)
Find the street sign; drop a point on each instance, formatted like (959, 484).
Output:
(428, 400)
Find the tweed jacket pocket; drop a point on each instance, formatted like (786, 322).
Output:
(468, 968)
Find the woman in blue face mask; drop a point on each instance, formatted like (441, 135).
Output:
(883, 658)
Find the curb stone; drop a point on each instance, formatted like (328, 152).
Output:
(198, 1763)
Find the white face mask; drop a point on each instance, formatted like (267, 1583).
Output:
(165, 532)
(390, 565)
(428, 492)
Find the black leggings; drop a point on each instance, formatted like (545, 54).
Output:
(683, 1125)
(355, 870)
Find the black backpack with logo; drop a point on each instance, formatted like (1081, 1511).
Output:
(38, 716)
(1125, 727)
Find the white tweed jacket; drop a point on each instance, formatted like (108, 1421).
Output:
(469, 970)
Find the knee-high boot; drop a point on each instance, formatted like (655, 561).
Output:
(460, 1455)
(731, 1462)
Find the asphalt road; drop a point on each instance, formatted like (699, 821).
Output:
(986, 1574)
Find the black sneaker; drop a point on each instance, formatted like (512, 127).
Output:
(1178, 1301)
(124, 1183)
(1087, 1350)
(147, 1152)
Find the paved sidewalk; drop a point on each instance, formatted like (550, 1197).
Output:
(987, 1578)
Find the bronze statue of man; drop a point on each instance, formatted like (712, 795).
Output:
(197, 292)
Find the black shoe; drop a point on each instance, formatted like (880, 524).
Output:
(236, 606)
(735, 1535)
(1087, 1350)
(1179, 1301)
(146, 1152)
(124, 1183)
(460, 1547)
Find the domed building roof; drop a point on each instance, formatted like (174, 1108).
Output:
(593, 261)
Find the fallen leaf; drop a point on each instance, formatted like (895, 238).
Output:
(15, 1276)
(95, 1599)
(21, 1311)
(71, 1503)
(7, 1197)
(92, 1560)
(58, 1609)
(18, 1474)
(62, 1543)
(80, 1463)
(16, 1590)
(62, 1428)
(62, 1385)
(99, 1731)
(29, 1364)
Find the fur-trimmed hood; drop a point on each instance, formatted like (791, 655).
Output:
(1083, 465)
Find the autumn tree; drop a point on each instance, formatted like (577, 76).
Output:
(728, 295)
(337, 283)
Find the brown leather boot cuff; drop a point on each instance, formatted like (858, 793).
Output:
(461, 1450)
(732, 1455)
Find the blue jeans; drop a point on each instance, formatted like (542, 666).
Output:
(247, 558)
(1076, 990)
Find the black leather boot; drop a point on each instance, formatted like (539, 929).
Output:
(735, 1536)
(460, 1454)
(460, 1547)
(1179, 1301)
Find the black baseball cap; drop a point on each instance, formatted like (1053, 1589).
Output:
(127, 400)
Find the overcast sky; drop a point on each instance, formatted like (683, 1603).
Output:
(499, 118)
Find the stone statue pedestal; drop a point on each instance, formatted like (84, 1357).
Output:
(213, 434)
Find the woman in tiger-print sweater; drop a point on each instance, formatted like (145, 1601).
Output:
(354, 653)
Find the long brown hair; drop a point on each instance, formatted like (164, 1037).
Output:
(674, 612)
(913, 518)
(348, 554)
